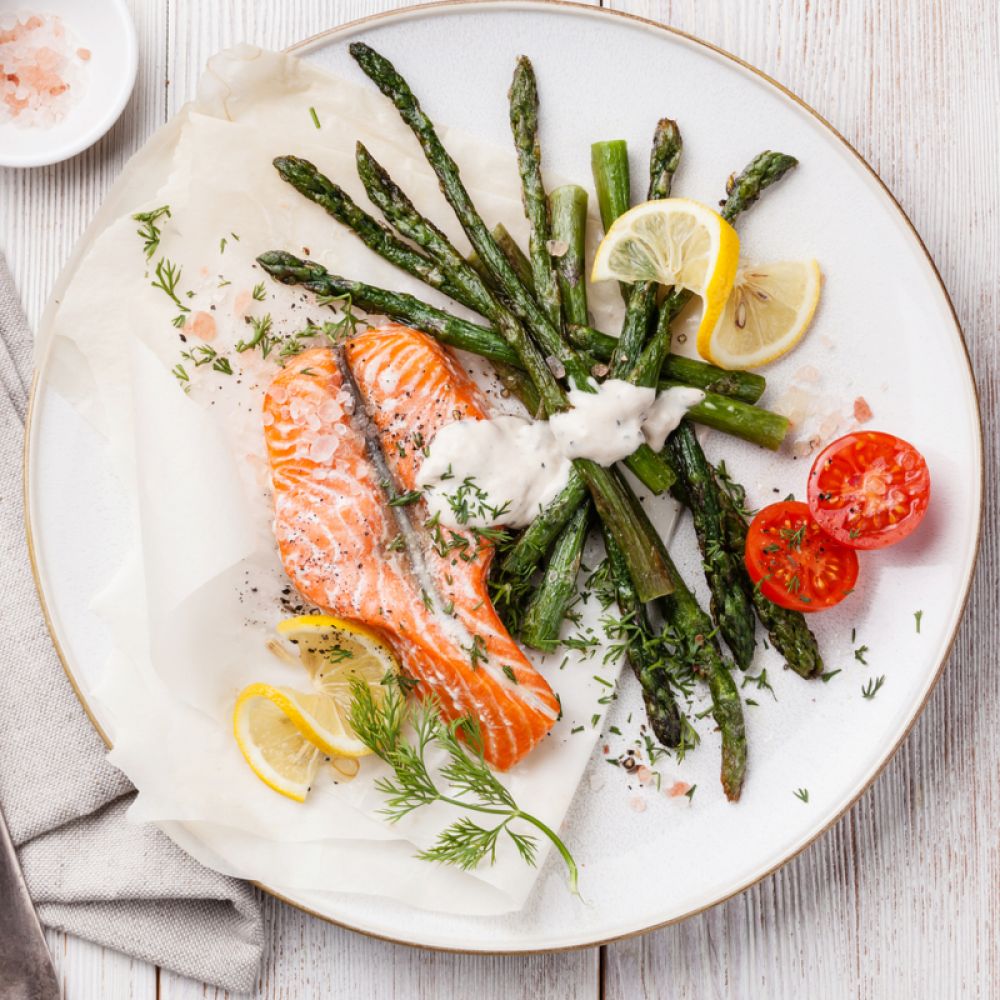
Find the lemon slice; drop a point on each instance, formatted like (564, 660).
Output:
(675, 242)
(285, 734)
(264, 723)
(768, 311)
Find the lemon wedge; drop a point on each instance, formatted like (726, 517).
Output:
(675, 242)
(766, 315)
(285, 734)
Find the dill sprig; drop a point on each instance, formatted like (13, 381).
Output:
(149, 231)
(872, 687)
(205, 354)
(168, 276)
(471, 784)
(262, 338)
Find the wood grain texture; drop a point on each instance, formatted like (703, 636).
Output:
(900, 899)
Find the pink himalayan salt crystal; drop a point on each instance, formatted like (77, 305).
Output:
(202, 325)
(41, 71)
(643, 773)
(677, 789)
(242, 303)
(862, 411)
(637, 804)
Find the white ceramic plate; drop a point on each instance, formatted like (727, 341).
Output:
(105, 28)
(886, 331)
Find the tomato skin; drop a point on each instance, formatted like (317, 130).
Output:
(869, 489)
(794, 562)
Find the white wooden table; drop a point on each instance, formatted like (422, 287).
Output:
(902, 897)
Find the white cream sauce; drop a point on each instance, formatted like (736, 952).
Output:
(517, 465)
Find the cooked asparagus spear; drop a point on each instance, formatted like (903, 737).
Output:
(724, 572)
(609, 165)
(692, 635)
(568, 210)
(640, 303)
(547, 607)
(524, 124)
(515, 257)
(450, 330)
(645, 653)
(752, 423)
(789, 633)
(400, 212)
(307, 180)
(745, 386)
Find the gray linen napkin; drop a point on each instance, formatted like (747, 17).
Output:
(89, 870)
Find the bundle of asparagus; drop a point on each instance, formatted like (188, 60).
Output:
(537, 335)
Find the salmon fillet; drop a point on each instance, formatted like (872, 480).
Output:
(421, 587)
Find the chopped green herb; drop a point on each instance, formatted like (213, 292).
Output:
(168, 276)
(315, 117)
(802, 794)
(477, 651)
(258, 292)
(509, 671)
(828, 675)
(149, 231)
(872, 687)
(405, 499)
(917, 616)
(859, 654)
(262, 337)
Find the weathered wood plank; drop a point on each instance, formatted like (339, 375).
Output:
(87, 971)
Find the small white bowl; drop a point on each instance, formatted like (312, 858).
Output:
(105, 28)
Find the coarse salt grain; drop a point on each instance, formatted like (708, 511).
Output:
(862, 411)
(41, 71)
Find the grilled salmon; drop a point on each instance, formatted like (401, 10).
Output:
(346, 430)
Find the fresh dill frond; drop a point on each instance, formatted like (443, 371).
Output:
(262, 338)
(466, 781)
(149, 231)
(872, 687)
(258, 292)
(168, 276)
(802, 794)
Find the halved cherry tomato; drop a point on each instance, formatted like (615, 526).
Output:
(794, 563)
(869, 489)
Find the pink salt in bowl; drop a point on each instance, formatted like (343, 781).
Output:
(67, 70)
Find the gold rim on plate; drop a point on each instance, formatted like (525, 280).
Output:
(571, 6)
